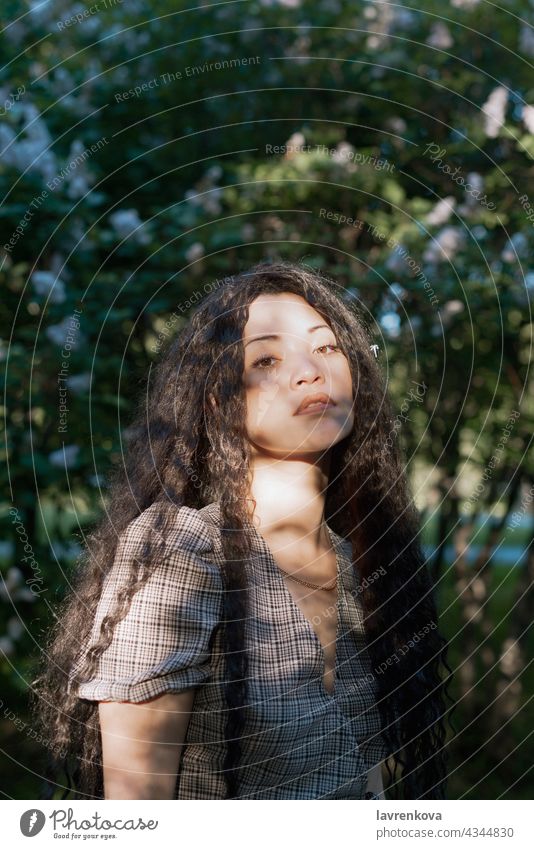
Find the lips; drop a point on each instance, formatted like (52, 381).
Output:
(314, 403)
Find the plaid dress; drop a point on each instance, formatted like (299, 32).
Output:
(299, 741)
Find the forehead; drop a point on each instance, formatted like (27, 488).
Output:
(278, 312)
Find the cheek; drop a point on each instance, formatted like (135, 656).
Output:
(267, 391)
(260, 388)
(263, 395)
(346, 379)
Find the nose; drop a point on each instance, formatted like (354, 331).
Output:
(307, 370)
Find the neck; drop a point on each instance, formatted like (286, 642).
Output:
(290, 499)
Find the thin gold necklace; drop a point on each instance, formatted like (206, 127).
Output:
(329, 586)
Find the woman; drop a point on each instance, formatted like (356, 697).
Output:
(253, 617)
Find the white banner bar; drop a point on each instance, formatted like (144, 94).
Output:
(253, 824)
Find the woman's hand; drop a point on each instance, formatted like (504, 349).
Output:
(142, 745)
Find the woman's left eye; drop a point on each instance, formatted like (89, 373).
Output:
(330, 345)
(265, 359)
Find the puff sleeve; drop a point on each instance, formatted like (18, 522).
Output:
(163, 643)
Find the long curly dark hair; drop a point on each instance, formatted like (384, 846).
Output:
(184, 451)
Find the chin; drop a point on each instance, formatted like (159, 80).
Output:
(315, 446)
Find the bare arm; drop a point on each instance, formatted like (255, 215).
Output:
(142, 745)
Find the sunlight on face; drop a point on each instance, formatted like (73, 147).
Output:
(279, 373)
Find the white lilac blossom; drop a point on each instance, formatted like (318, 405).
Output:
(6, 549)
(526, 40)
(396, 262)
(78, 178)
(66, 331)
(12, 588)
(207, 201)
(344, 152)
(210, 201)
(16, 32)
(78, 186)
(91, 22)
(440, 36)
(6, 646)
(351, 293)
(476, 181)
(515, 248)
(57, 266)
(126, 222)
(301, 49)
(397, 291)
(452, 308)
(78, 236)
(290, 4)
(64, 457)
(15, 628)
(7, 137)
(97, 480)
(402, 18)
(374, 42)
(444, 245)
(448, 311)
(479, 232)
(128, 38)
(387, 19)
(13, 578)
(65, 551)
(47, 284)
(390, 323)
(62, 85)
(397, 124)
(214, 173)
(80, 382)
(527, 116)
(441, 212)
(29, 150)
(494, 111)
(195, 251)
(193, 197)
(295, 140)
(42, 13)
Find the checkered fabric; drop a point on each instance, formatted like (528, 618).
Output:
(299, 742)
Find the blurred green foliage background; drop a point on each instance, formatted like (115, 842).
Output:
(139, 163)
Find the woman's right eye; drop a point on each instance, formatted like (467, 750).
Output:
(256, 363)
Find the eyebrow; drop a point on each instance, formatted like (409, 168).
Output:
(276, 336)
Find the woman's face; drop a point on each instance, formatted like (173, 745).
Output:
(281, 372)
